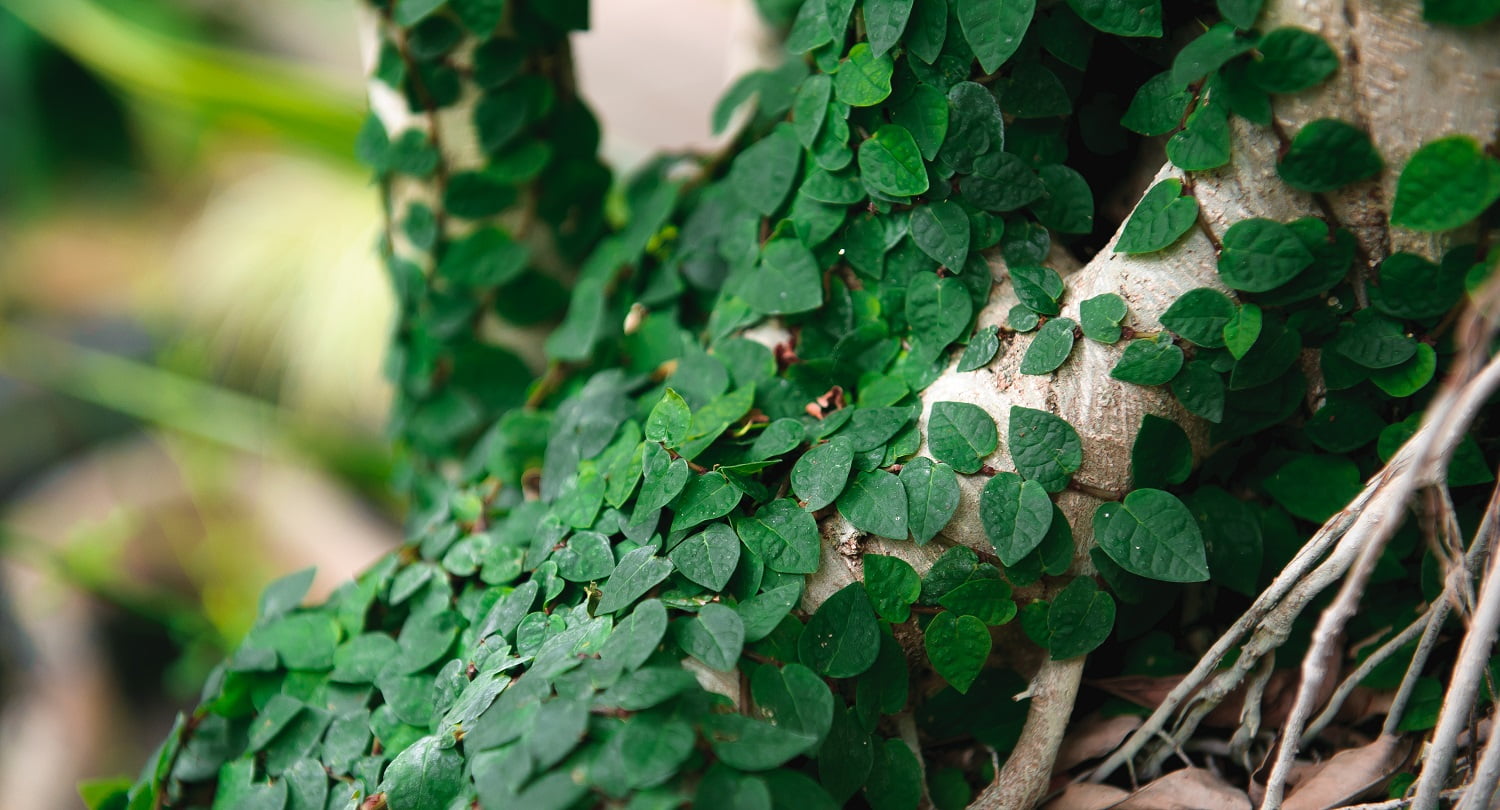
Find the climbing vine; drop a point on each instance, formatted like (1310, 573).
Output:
(605, 592)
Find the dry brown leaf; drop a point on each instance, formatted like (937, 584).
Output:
(1087, 796)
(1094, 736)
(1349, 775)
(1187, 789)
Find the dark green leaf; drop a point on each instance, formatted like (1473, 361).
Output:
(884, 22)
(1373, 341)
(1208, 52)
(864, 78)
(987, 600)
(1328, 154)
(783, 535)
(708, 557)
(822, 473)
(1080, 619)
(638, 571)
(1200, 315)
(425, 776)
(941, 230)
(787, 279)
(1161, 217)
(669, 420)
(715, 636)
(1152, 535)
(1203, 143)
(938, 309)
(793, 697)
(1016, 515)
(1446, 183)
(1039, 287)
(896, 778)
(810, 106)
(1050, 348)
(994, 30)
(1242, 13)
(931, 496)
(1001, 182)
(1158, 106)
(1148, 362)
(1161, 455)
(875, 503)
(1291, 59)
(1314, 487)
(981, 349)
(891, 164)
(1200, 389)
(762, 175)
(1100, 317)
(961, 434)
(1127, 18)
(957, 646)
(842, 639)
(892, 585)
(1044, 447)
(1067, 206)
(1261, 255)
(1242, 330)
(924, 113)
(927, 29)
(707, 496)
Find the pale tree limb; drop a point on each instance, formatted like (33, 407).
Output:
(1023, 780)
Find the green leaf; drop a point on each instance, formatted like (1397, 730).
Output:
(636, 636)
(892, 585)
(1200, 390)
(708, 557)
(975, 126)
(927, 29)
(1261, 255)
(1373, 341)
(1022, 318)
(1148, 362)
(987, 600)
(1152, 534)
(961, 435)
(938, 309)
(1290, 60)
(1161, 455)
(822, 473)
(787, 279)
(924, 113)
(896, 778)
(762, 174)
(957, 646)
(638, 571)
(1044, 447)
(1067, 206)
(1016, 515)
(842, 639)
(302, 640)
(1204, 142)
(1039, 287)
(931, 496)
(751, 745)
(664, 479)
(1208, 52)
(1001, 182)
(783, 535)
(715, 636)
(1161, 218)
(669, 420)
(1243, 13)
(1127, 18)
(1314, 487)
(810, 105)
(1274, 351)
(1328, 154)
(793, 697)
(994, 30)
(764, 611)
(941, 230)
(1409, 377)
(884, 22)
(707, 496)
(1079, 620)
(981, 349)
(1446, 183)
(284, 594)
(1157, 107)
(863, 78)
(1412, 287)
(1241, 332)
(1101, 316)
(875, 503)
(425, 776)
(1050, 348)
(1200, 316)
(891, 164)
(810, 29)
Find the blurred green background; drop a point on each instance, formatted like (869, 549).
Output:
(192, 325)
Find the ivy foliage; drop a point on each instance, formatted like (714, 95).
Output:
(602, 555)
